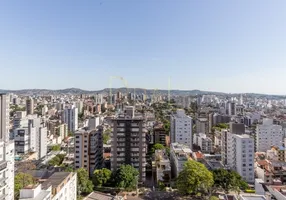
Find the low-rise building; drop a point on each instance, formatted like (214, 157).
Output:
(35, 192)
(59, 185)
(271, 171)
(180, 154)
(163, 168)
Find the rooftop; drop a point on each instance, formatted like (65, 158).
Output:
(102, 196)
(42, 195)
(55, 180)
(252, 197)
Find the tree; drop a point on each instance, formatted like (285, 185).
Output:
(56, 147)
(106, 138)
(22, 180)
(126, 177)
(193, 178)
(167, 126)
(101, 177)
(57, 160)
(228, 180)
(157, 146)
(84, 185)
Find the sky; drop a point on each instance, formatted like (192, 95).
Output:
(234, 46)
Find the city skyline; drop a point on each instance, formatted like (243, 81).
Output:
(212, 46)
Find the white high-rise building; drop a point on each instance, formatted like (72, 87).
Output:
(267, 135)
(238, 154)
(181, 128)
(240, 100)
(42, 152)
(6, 152)
(79, 106)
(243, 156)
(98, 99)
(70, 117)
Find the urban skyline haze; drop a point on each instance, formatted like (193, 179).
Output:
(223, 46)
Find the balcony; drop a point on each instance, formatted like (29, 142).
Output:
(3, 165)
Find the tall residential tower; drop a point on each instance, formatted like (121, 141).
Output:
(129, 142)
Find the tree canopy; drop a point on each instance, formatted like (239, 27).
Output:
(157, 146)
(228, 180)
(56, 147)
(57, 160)
(193, 178)
(126, 177)
(84, 185)
(22, 180)
(101, 177)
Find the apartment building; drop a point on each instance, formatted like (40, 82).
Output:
(202, 125)
(163, 168)
(231, 108)
(25, 140)
(243, 156)
(218, 118)
(98, 99)
(268, 135)
(42, 142)
(160, 134)
(62, 130)
(30, 106)
(79, 106)
(6, 152)
(70, 117)
(181, 128)
(89, 149)
(31, 137)
(59, 186)
(237, 151)
(180, 154)
(226, 148)
(128, 142)
(205, 143)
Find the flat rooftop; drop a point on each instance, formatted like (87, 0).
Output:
(252, 197)
(42, 195)
(55, 180)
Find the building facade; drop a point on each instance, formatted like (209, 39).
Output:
(30, 106)
(128, 142)
(89, 149)
(181, 128)
(6, 152)
(205, 143)
(268, 135)
(243, 156)
(70, 117)
(180, 154)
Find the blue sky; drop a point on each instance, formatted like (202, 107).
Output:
(222, 45)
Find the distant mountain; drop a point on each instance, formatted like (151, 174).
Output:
(106, 91)
(77, 91)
